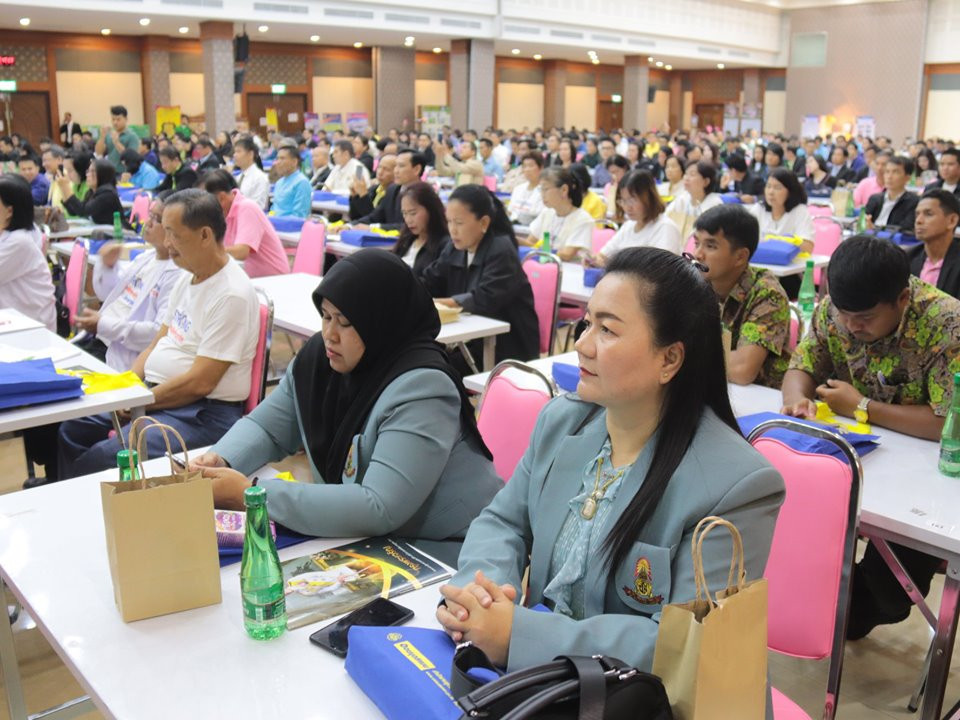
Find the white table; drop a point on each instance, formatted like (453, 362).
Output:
(199, 663)
(79, 231)
(294, 313)
(36, 415)
(330, 206)
(794, 268)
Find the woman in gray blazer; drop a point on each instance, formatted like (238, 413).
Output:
(605, 500)
(387, 428)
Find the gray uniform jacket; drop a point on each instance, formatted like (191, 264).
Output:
(719, 475)
(410, 472)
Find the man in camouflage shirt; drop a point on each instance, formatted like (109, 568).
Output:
(884, 346)
(753, 304)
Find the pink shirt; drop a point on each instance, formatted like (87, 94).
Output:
(865, 188)
(930, 272)
(248, 225)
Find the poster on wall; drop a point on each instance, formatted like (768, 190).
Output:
(810, 126)
(311, 121)
(167, 119)
(332, 121)
(867, 126)
(358, 121)
(272, 118)
(432, 118)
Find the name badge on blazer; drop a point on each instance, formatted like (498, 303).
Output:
(352, 463)
(643, 579)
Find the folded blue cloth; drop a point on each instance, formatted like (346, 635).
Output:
(775, 252)
(364, 238)
(731, 198)
(862, 444)
(285, 538)
(282, 223)
(591, 276)
(33, 382)
(566, 376)
(324, 196)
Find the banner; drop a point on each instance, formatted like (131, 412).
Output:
(311, 121)
(866, 126)
(332, 121)
(358, 121)
(272, 121)
(167, 119)
(810, 126)
(432, 118)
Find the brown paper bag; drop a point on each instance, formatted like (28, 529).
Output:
(712, 653)
(161, 539)
(839, 199)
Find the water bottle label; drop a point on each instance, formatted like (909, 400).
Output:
(267, 611)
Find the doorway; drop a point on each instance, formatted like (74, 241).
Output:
(609, 115)
(26, 113)
(289, 105)
(711, 114)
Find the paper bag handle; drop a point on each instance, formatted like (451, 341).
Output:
(696, 551)
(166, 439)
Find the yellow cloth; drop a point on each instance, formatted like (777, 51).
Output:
(594, 205)
(96, 382)
(378, 195)
(826, 416)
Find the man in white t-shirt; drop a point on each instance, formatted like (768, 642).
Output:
(198, 365)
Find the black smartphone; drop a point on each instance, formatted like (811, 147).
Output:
(439, 137)
(380, 613)
(359, 172)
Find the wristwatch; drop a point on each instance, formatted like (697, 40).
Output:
(860, 414)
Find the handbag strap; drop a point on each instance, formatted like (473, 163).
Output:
(593, 687)
(590, 684)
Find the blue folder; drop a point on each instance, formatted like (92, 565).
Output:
(775, 252)
(863, 444)
(33, 382)
(282, 223)
(364, 238)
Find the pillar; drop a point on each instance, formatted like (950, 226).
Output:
(676, 101)
(472, 66)
(216, 41)
(394, 81)
(636, 85)
(155, 74)
(752, 91)
(554, 93)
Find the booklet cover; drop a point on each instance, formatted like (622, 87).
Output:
(332, 582)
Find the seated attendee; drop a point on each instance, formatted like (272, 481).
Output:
(102, 202)
(199, 363)
(52, 159)
(491, 166)
(364, 199)
(840, 171)
(292, 194)
(867, 162)
(673, 177)
(148, 153)
(753, 304)
(479, 271)
(388, 215)
(647, 224)
(949, 169)
(591, 157)
(772, 158)
(738, 179)
(877, 316)
(207, 158)
(525, 200)
(603, 504)
(818, 183)
(320, 164)
(178, 175)
(467, 170)
(592, 203)
(249, 235)
(388, 430)
(25, 282)
(137, 172)
(601, 174)
(895, 206)
(793, 161)
(757, 165)
(133, 298)
(937, 259)
(617, 168)
(569, 226)
(424, 233)
(253, 181)
(29, 166)
(700, 186)
(346, 169)
(361, 151)
(425, 148)
(783, 209)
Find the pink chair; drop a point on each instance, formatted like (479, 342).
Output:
(689, 247)
(811, 559)
(820, 210)
(601, 236)
(508, 413)
(140, 209)
(490, 183)
(75, 279)
(259, 369)
(309, 257)
(545, 273)
(828, 234)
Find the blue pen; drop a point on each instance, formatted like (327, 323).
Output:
(881, 378)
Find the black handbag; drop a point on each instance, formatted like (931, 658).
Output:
(571, 687)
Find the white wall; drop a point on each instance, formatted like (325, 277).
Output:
(89, 95)
(430, 92)
(943, 32)
(943, 109)
(774, 111)
(342, 95)
(519, 105)
(581, 106)
(186, 90)
(658, 112)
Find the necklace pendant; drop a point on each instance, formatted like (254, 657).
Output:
(589, 508)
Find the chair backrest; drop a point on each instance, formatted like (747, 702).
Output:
(826, 239)
(820, 210)
(601, 236)
(140, 209)
(75, 279)
(796, 327)
(814, 544)
(689, 247)
(490, 182)
(545, 273)
(508, 413)
(260, 367)
(309, 257)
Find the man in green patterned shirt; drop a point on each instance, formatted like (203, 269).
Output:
(753, 304)
(883, 348)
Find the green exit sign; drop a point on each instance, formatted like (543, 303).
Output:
(8, 85)
(616, 98)
(278, 89)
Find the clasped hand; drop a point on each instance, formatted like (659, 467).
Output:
(482, 613)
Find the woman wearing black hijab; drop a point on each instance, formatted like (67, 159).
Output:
(385, 423)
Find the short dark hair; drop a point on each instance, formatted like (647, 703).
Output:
(955, 152)
(417, 158)
(293, 150)
(619, 160)
(738, 225)
(81, 161)
(560, 176)
(641, 184)
(56, 151)
(948, 201)
(118, 110)
(200, 209)
(841, 148)
(169, 152)
(796, 195)
(904, 162)
(865, 271)
(535, 157)
(821, 163)
(708, 172)
(737, 162)
(605, 138)
(106, 172)
(15, 193)
(486, 141)
(776, 149)
(30, 157)
(214, 181)
(207, 143)
(131, 160)
(345, 146)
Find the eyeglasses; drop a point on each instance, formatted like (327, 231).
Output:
(696, 263)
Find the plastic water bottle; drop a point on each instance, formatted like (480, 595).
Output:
(117, 227)
(124, 462)
(950, 437)
(807, 298)
(261, 579)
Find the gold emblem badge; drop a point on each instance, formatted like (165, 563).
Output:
(642, 590)
(349, 469)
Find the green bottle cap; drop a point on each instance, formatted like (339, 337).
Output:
(254, 496)
(123, 459)
(810, 264)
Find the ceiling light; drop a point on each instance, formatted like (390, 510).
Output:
(538, 56)
(263, 28)
(358, 44)
(668, 67)
(515, 51)
(438, 50)
(183, 30)
(649, 59)
(105, 31)
(659, 64)
(144, 21)
(409, 39)
(24, 21)
(595, 61)
(720, 66)
(314, 38)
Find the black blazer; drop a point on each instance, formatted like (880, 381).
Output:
(949, 280)
(387, 213)
(99, 206)
(903, 211)
(210, 162)
(863, 173)
(494, 285)
(937, 184)
(367, 160)
(425, 258)
(845, 174)
(182, 179)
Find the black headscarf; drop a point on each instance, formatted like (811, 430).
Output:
(397, 321)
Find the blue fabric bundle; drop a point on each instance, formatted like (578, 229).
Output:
(365, 238)
(566, 376)
(863, 444)
(591, 276)
(731, 198)
(324, 196)
(283, 223)
(33, 382)
(775, 252)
